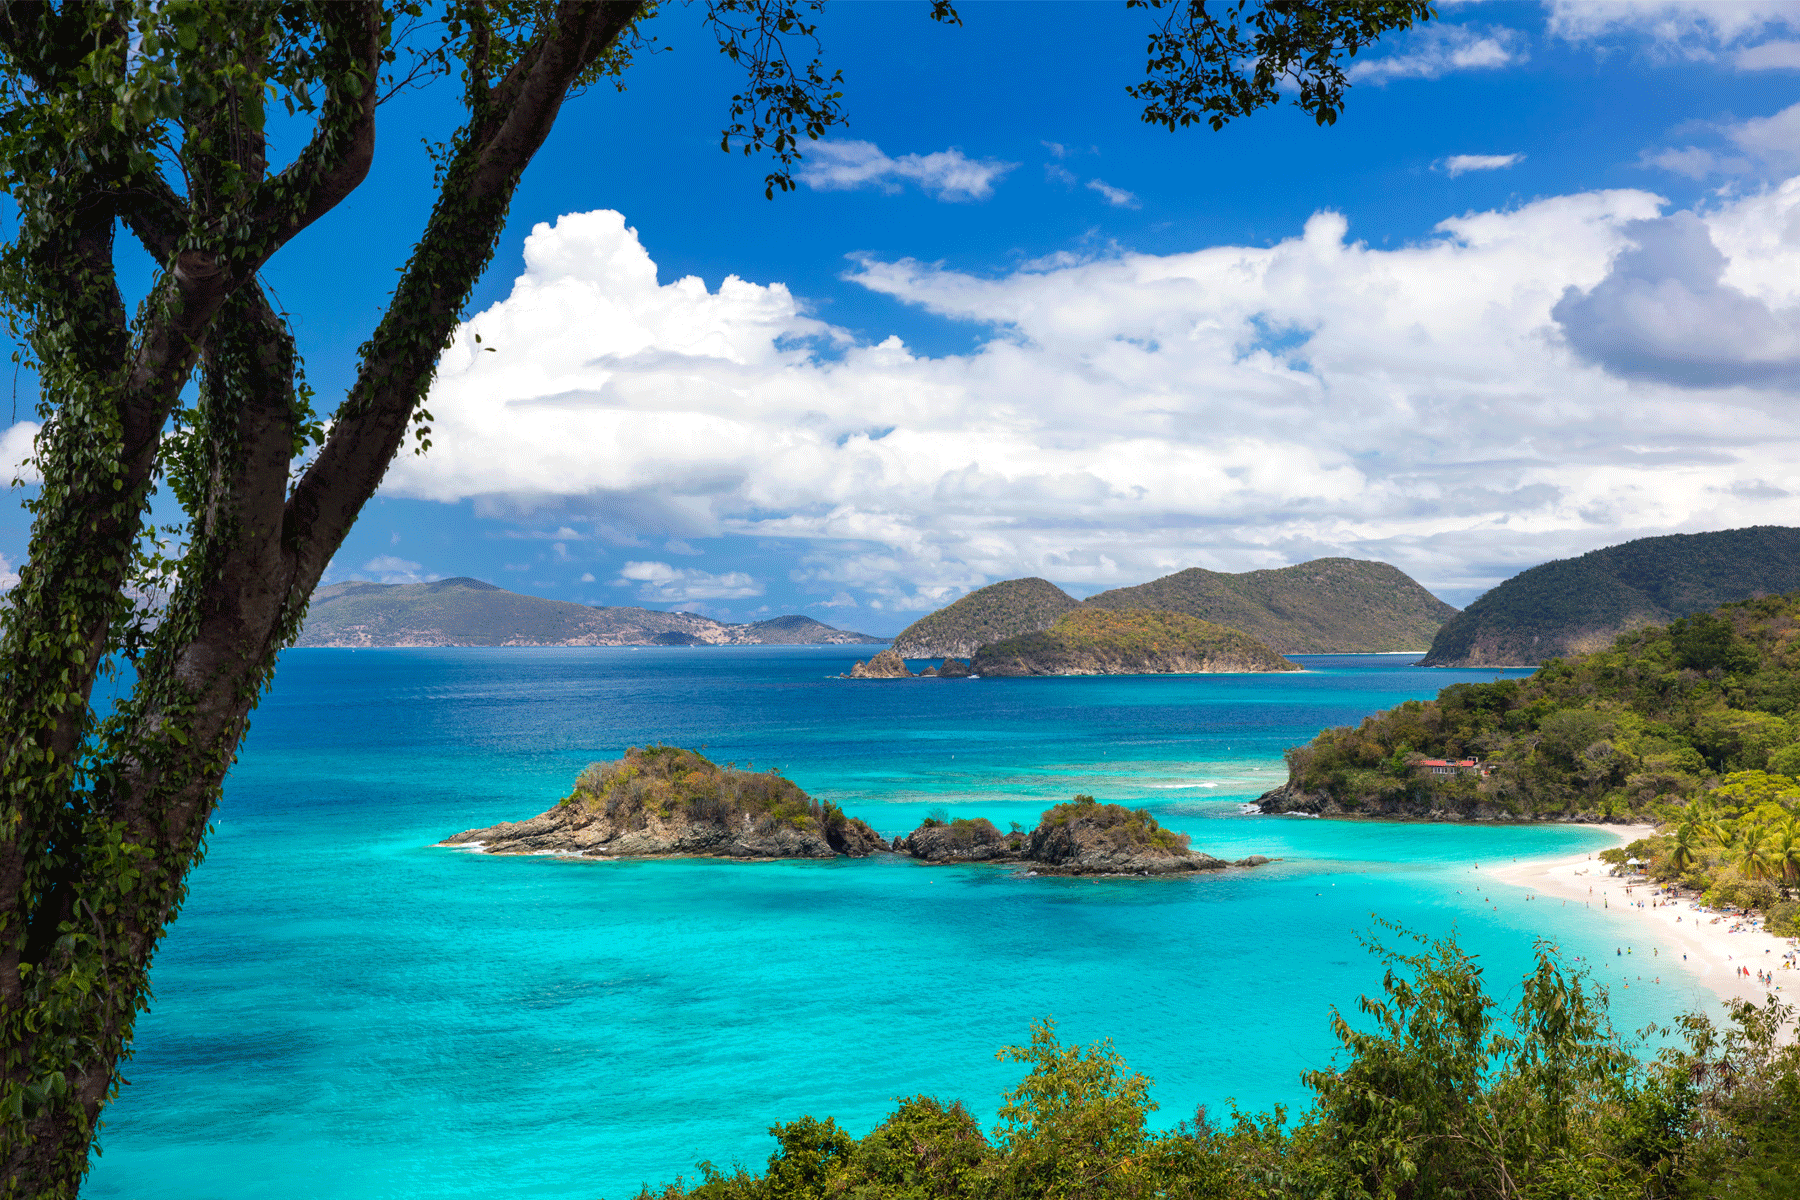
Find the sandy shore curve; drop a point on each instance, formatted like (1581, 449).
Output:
(1674, 938)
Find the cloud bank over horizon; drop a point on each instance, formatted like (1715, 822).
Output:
(1521, 385)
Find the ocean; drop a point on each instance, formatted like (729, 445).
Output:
(344, 1010)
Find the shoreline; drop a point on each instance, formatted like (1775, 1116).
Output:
(1662, 947)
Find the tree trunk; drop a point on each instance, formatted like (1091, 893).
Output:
(104, 821)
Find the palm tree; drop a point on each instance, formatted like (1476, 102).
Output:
(1787, 851)
(1681, 854)
(1756, 854)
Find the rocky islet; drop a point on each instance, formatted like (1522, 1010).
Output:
(663, 802)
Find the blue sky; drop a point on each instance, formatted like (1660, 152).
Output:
(1538, 291)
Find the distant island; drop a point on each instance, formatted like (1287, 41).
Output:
(469, 612)
(1579, 605)
(990, 614)
(1328, 605)
(1092, 641)
(665, 802)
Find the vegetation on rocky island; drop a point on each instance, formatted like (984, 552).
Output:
(670, 781)
(1434, 1096)
(662, 801)
(1577, 605)
(1326, 606)
(1081, 837)
(1119, 827)
(1096, 641)
(1646, 727)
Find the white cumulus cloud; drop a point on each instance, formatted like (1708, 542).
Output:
(663, 583)
(1117, 197)
(1693, 29)
(389, 568)
(1127, 415)
(1767, 146)
(1769, 56)
(1436, 50)
(946, 174)
(15, 450)
(1462, 164)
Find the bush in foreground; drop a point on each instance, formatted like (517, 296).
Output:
(1434, 1099)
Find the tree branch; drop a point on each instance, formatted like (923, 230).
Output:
(337, 159)
(399, 360)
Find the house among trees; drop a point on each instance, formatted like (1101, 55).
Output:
(1444, 766)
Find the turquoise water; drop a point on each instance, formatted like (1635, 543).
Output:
(344, 1011)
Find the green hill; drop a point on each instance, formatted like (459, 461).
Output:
(468, 612)
(1092, 641)
(1576, 605)
(1652, 721)
(1326, 606)
(989, 614)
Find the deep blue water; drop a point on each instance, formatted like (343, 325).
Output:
(343, 1010)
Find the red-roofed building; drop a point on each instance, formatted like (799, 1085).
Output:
(1445, 766)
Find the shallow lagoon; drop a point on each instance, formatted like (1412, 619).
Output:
(344, 1011)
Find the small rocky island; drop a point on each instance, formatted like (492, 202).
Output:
(1082, 837)
(663, 802)
(889, 665)
(1098, 641)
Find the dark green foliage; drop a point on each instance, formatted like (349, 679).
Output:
(1326, 606)
(1121, 828)
(1092, 641)
(1434, 1098)
(1581, 604)
(1645, 726)
(669, 782)
(989, 614)
(1198, 56)
(965, 831)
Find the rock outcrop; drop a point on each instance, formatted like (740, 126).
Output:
(1415, 804)
(886, 665)
(961, 840)
(670, 803)
(1082, 837)
(954, 668)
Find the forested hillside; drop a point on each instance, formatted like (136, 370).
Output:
(1645, 726)
(1091, 641)
(1326, 606)
(1579, 604)
(990, 614)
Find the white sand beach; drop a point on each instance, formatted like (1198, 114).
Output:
(1669, 939)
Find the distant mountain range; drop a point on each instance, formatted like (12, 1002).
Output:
(1328, 605)
(468, 612)
(1579, 605)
